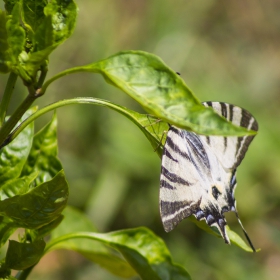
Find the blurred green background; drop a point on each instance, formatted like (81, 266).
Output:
(225, 51)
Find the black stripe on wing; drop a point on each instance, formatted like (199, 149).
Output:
(174, 178)
(197, 153)
(230, 112)
(175, 148)
(174, 212)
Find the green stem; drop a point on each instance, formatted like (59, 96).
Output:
(87, 68)
(44, 71)
(16, 116)
(61, 103)
(7, 96)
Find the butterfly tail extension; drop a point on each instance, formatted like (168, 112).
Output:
(245, 233)
(213, 218)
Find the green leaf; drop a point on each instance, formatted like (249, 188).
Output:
(5, 272)
(14, 155)
(43, 37)
(63, 14)
(233, 236)
(16, 34)
(23, 255)
(33, 12)
(9, 4)
(145, 252)
(162, 92)
(44, 230)
(4, 46)
(43, 155)
(7, 227)
(16, 186)
(35, 60)
(38, 207)
(237, 240)
(95, 251)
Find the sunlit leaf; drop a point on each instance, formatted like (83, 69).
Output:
(36, 59)
(14, 155)
(38, 207)
(17, 186)
(23, 255)
(162, 92)
(63, 14)
(143, 250)
(43, 154)
(34, 234)
(7, 227)
(44, 38)
(4, 46)
(75, 221)
(16, 34)
(33, 12)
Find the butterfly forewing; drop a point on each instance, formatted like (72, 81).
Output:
(198, 172)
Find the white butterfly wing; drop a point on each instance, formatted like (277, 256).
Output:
(191, 182)
(231, 150)
(198, 172)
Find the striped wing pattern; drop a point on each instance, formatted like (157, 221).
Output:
(198, 172)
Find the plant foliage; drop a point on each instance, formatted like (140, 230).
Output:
(34, 189)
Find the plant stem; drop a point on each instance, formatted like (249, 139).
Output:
(7, 96)
(44, 71)
(61, 103)
(16, 116)
(86, 68)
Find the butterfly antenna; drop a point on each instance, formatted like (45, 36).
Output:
(245, 233)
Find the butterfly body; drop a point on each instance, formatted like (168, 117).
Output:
(198, 172)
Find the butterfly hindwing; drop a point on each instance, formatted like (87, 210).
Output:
(231, 150)
(198, 172)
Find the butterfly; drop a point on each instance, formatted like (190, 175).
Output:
(198, 173)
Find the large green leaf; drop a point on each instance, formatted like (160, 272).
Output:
(7, 227)
(63, 14)
(43, 154)
(16, 34)
(4, 46)
(43, 37)
(16, 186)
(14, 155)
(162, 92)
(33, 12)
(145, 252)
(55, 26)
(9, 4)
(23, 255)
(38, 207)
(34, 234)
(75, 221)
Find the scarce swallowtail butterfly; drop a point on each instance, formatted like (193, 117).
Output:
(198, 173)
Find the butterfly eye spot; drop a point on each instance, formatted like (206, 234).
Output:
(200, 215)
(210, 219)
(215, 192)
